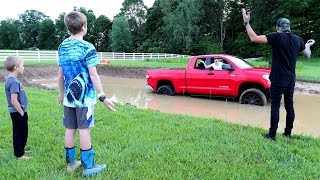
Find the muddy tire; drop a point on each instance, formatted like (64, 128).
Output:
(165, 90)
(254, 97)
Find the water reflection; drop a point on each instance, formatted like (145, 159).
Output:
(132, 91)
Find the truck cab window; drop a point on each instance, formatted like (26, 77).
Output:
(199, 64)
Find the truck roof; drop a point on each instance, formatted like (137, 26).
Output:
(214, 55)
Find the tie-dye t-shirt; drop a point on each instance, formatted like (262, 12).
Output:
(75, 56)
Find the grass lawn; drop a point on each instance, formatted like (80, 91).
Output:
(147, 144)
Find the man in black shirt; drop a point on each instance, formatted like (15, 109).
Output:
(285, 49)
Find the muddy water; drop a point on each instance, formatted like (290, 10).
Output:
(132, 91)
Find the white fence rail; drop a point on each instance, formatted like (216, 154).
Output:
(113, 56)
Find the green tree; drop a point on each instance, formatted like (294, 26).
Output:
(9, 34)
(237, 41)
(47, 39)
(154, 30)
(263, 15)
(120, 35)
(101, 30)
(135, 13)
(304, 17)
(29, 33)
(61, 30)
(182, 27)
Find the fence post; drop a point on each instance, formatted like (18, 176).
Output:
(134, 56)
(142, 56)
(17, 53)
(100, 55)
(57, 56)
(124, 56)
(38, 55)
(112, 56)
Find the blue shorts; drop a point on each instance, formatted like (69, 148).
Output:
(78, 118)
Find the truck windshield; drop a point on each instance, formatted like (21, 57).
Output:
(242, 64)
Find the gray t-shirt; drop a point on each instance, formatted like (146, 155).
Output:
(13, 85)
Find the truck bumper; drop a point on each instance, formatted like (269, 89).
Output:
(148, 87)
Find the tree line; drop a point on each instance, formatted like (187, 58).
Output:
(170, 26)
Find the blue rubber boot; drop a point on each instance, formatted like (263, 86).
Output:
(87, 160)
(72, 162)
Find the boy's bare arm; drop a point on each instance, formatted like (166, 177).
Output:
(16, 104)
(61, 85)
(98, 87)
(206, 66)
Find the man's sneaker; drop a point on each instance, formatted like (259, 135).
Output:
(287, 135)
(72, 167)
(24, 158)
(95, 169)
(267, 136)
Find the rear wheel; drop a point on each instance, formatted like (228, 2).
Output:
(254, 97)
(165, 90)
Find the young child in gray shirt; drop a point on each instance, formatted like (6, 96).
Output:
(17, 105)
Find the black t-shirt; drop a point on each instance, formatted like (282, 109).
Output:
(285, 50)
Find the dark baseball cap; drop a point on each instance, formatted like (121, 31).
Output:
(283, 24)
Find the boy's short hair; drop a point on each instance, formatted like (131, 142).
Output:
(74, 21)
(11, 62)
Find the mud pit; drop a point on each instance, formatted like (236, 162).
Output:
(44, 72)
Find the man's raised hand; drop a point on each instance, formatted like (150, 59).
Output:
(245, 15)
(311, 42)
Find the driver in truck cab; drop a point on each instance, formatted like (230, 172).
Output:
(216, 65)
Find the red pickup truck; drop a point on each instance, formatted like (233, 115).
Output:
(236, 79)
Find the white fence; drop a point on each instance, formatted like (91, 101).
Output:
(113, 56)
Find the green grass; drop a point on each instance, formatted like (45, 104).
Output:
(147, 144)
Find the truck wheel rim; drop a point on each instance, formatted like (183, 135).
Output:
(252, 99)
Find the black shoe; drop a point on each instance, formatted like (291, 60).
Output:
(267, 136)
(287, 135)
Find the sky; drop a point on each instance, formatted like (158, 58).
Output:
(52, 8)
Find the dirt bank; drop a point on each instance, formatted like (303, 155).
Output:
(137, 73)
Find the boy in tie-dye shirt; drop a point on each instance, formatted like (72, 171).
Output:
(78, 84)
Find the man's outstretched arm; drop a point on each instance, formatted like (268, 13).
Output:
(252, 35)
(307, 51)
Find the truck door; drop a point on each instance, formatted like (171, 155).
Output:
(221, 82)
(196, 78)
